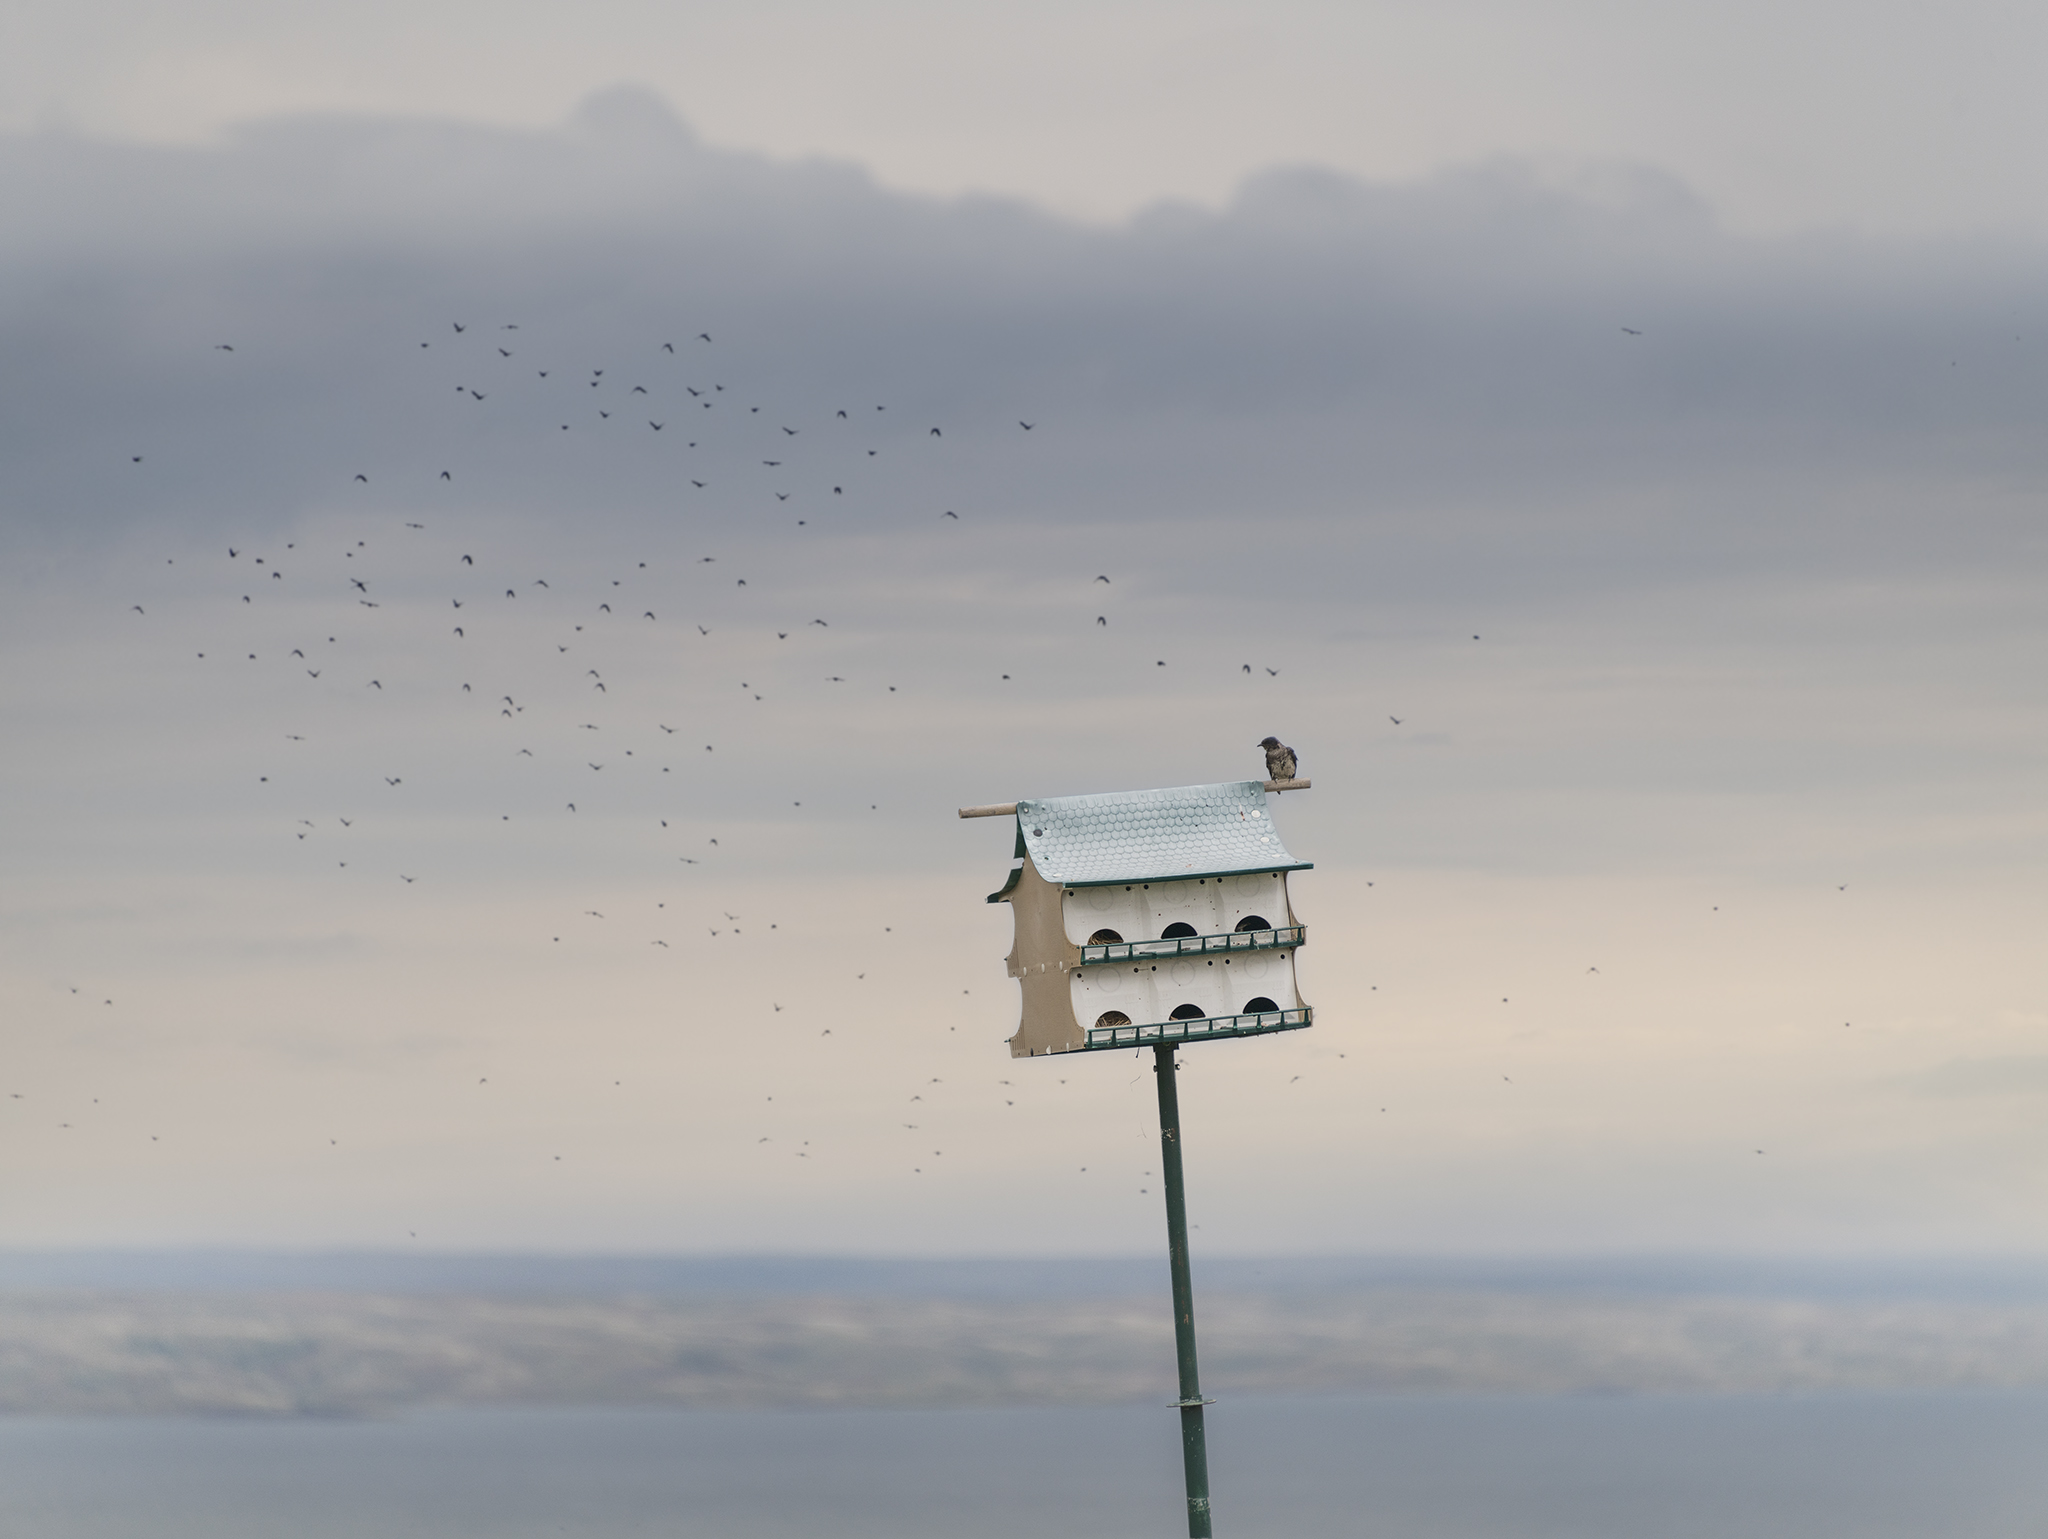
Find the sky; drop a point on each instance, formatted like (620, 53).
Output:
(483, 729)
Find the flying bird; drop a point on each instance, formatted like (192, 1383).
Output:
(1280, 760)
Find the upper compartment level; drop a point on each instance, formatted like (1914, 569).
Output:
(1130, 912)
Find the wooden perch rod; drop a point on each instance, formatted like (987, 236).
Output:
(1005, 809)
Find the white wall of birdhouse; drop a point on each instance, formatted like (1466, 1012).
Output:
(1141, 911)
(1152, 990)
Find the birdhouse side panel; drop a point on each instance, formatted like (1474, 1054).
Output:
(1041, 944)
(1048, 1024)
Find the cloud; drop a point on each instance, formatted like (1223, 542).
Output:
(1700, 571)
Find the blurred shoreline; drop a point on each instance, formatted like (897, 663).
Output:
(218, 1335)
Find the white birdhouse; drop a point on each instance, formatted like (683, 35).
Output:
(1152, 916)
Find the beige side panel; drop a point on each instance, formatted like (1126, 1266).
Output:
(1048, 1025)
(1041, 945)
(1040, 960)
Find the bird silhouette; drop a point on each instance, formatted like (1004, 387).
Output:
(1280, 759)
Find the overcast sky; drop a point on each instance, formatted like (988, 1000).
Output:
(1627, 505)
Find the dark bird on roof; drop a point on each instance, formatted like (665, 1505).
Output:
(1280, 760)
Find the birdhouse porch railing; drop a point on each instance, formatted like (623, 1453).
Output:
(1198, 1029)
(1196, 945)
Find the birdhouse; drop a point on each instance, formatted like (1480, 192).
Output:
(1148, 917)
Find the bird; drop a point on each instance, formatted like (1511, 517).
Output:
(1026, 426)
(1280, 759)
(1631, 331)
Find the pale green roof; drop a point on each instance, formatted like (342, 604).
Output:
(1171, 835)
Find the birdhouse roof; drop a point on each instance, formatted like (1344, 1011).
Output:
(1171, 835)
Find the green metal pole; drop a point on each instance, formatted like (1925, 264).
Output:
(1194, 1446)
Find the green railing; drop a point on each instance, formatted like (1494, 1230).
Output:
(1200, 1029)
(1195, 945)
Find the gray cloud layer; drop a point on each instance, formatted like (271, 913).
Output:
(1749, 529)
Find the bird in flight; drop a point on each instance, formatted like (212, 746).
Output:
(1280, 760)
(1026, 426)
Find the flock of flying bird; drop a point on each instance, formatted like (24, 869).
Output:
(386, 586)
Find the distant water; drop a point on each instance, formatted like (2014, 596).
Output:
(1965, 1466)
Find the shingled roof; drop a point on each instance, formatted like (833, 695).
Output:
(1171, 835)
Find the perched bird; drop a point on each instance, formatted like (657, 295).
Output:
(1280, 760)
